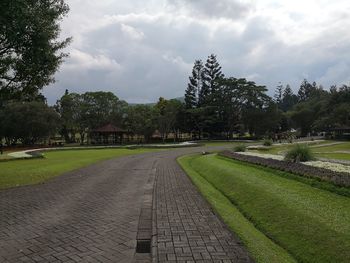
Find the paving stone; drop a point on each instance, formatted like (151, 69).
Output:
(94, 214)
(186, 219)
(89, 215)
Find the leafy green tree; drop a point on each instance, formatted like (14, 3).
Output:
(28, 122)
(168, 111)
(231, 105)
(305, 114)
(336, 112)
(142, 120)
(82, 113)
(69, 110)
(101, 108)
(29, 46)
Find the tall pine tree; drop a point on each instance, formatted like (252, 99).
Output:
(279, 94)
(211, 74)
(194, 86)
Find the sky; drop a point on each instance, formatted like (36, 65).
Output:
(141, 50)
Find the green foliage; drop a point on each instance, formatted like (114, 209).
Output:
(267, 142)
(142, 120)
(168, 116)
(261, 248)
(302, 220)
(240, 148)
(28, 122)
(299, 153)
(29, 46)
(83, 112)
(194, 85)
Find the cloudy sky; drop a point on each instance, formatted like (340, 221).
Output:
(141, 50)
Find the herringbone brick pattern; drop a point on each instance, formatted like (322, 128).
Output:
(93, 214)
(187, 229)
(90, 215)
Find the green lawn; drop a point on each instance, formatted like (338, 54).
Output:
(282, 217)
(335, 156)
(342, 146)
(26, 172)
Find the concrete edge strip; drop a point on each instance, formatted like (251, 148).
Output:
(145, 227)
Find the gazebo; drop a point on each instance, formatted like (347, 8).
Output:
(108, 134)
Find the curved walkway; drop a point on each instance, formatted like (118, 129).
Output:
(95, 214)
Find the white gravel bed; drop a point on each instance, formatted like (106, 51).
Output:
(337, 167)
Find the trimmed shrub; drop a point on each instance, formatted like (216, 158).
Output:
(240, 148)
(299, 153)
(267, 142)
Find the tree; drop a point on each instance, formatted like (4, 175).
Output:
(289, 99)
(69, 110)
(101, 108)
(28, 122)
(305, 114)
(168, 111)
(231, 104)
(279, 94)
(142, 120)
(29, 46)
(194, 86)
(211, 74)
(81, 113)
(308, 90)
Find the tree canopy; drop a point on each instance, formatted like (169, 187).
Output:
(30, 49)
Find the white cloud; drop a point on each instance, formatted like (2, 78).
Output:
(132, 32)
(80, 60)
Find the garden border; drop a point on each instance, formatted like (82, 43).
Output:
(337, 178)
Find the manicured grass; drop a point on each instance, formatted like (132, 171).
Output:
(335, 156)
(261, 248)
(343, 146)
(310, 223)
(26, 172)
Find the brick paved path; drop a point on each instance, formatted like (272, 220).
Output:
(92, 215)
(186, 228)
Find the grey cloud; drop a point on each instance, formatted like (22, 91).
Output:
(141, 56)
(232, 9)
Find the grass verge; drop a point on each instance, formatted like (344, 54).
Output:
(310, 224)
(33, 171)
(261, 248)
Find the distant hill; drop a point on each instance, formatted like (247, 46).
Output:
(182, 99)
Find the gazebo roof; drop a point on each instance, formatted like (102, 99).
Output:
(109, 128)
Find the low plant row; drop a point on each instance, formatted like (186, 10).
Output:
(337, 178)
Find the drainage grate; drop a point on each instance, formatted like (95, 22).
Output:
(143, 246)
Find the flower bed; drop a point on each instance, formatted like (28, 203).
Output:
(338, 178)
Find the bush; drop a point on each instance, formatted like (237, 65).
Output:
(299, 153)
(267, 142)
(240, 148)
